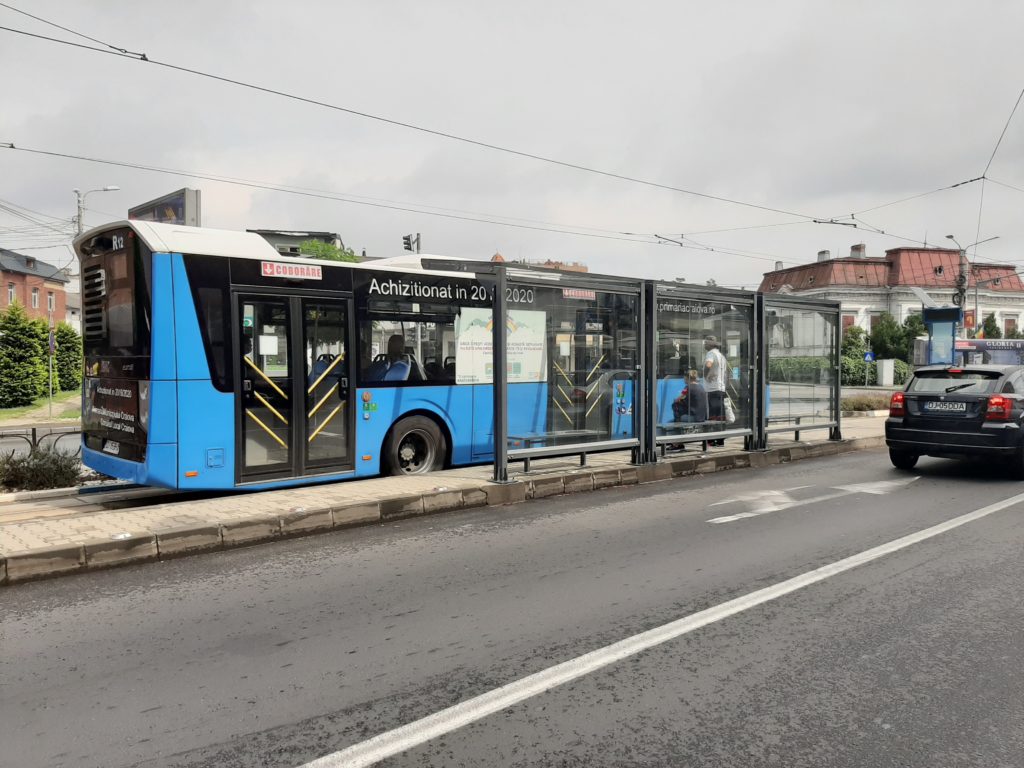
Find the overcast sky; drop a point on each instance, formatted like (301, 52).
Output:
(816, 108)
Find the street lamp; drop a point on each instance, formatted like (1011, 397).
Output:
(79, 218)
(961, 281)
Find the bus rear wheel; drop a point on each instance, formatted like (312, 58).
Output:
(415, 445)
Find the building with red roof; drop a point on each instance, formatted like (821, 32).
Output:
(868, 286)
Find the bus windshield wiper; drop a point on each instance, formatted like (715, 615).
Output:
(955, 387)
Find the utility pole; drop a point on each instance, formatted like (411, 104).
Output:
(960, 297)
(79, 229)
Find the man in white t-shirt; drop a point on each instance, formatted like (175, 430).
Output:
(716, 370)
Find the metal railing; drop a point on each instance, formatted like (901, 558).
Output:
(42, 437)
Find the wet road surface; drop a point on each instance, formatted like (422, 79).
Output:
(283, 653)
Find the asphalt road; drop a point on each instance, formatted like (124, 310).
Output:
(280, 654)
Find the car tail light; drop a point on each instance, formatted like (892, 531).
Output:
(897, 405)
(999, 408)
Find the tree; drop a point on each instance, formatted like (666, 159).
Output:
(855, 343)
(887, 339)
(321, 250)
(22, 372)
(69, 357)
(990, 328)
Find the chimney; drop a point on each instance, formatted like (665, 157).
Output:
(824, 255)
(778, 266)
(858, 251)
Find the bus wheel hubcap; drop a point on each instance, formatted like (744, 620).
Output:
(415, 452)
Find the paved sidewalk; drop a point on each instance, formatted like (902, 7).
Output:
(57, 539)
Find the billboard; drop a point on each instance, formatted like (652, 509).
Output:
(181, 207)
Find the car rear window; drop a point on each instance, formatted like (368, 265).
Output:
(966, 382)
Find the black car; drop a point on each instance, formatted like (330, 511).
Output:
(974, 410)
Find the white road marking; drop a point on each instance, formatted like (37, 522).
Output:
(879, 488)
(763, 511)
(764, 505)
(447, 720)
(761, 495)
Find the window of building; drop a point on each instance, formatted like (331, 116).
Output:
(848, 320)
(875, 317)
(35, 298)
(1009, 324)
(51, 301)
(12, 293)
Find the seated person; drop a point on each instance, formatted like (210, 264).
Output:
(393, 366)
(692, 403)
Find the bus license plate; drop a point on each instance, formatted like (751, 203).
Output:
(939, 406)
(112, 446)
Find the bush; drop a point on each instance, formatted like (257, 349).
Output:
(799, 370)
(22, 370)
(69, 357)
(864, 403)
(852, 372)
(38, 470)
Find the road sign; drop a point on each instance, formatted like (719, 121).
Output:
(869, 357)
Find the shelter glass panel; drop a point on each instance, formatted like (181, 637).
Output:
(571, 356)
(801, 367)
(703, 367)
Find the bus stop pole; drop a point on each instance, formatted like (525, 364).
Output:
(760, 436)
(647, 386)
(500, 376)
(836, 433)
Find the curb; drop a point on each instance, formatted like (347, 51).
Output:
(164, 544)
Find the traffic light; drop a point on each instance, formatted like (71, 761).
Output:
(407, 240)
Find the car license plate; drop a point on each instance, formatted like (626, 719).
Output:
(941, 406)
(112, 446)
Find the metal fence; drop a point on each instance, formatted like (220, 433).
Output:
(44, 436)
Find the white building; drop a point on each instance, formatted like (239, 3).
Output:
(867, 287)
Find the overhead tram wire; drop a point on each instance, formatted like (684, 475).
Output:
(1004, 184)
(915, 197)
(1003, 133)
(112, 50)
(318, 195)
(342, 199)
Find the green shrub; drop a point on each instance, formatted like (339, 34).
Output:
(852, 372)
(38, 470)
(22, 368)
(865, 403)
(799, 370)
(69, 357)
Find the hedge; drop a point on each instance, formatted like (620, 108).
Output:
(816, 370)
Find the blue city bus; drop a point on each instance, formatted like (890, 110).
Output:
(214, 362)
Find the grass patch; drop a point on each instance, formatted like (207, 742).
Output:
(865, 403)
(66, 405)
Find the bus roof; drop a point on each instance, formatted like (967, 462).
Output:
(205, 241)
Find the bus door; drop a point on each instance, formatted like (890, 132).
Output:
(294, 413)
